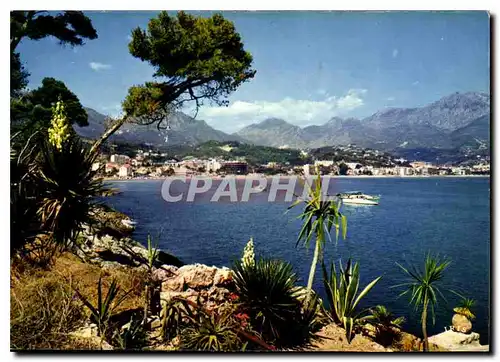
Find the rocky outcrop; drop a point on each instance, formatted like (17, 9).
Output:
(107, 221)
(108, 251)
(458, 342)
(461, 323)
(210, 284)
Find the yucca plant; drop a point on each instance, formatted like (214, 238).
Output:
(69, 186)
(24, 193)
(386, 324)
(267, 292)
(318, 217)
(423, 288)
(465, 307)
(101, 313)
(342, 293)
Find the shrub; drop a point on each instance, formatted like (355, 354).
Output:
(101, 312)
(342, 296)
(267, 293)
(386, 325)
(43, 311)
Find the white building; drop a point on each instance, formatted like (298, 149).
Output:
(95, 166)
(324, 163)
(120, 159)
(125, 171)
(212, 165)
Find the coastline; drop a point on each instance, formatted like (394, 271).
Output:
(244, 177)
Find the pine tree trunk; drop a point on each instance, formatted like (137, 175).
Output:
(312, 272)
(114, 127)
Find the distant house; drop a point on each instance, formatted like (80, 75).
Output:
(125, 171)
(110, 167)
(120, 159)
(95, 166)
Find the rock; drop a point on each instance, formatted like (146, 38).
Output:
(455, 341)
(198, 275)
(223, 276)
(461, 323)
(175, 284)
(166, 296)
(164, 272)
(409, 342)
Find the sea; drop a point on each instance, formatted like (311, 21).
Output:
(445, 216)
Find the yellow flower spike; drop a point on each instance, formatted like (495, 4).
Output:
(59, 130)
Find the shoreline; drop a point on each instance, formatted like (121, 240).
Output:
(244, 177)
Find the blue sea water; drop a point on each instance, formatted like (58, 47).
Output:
(449, 216)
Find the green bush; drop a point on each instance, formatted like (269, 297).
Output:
(268, 294)
(342, 294)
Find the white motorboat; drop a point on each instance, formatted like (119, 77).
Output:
(358, 198)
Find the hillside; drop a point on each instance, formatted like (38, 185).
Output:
(184, 130)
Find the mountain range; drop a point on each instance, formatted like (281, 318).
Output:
(460, 121)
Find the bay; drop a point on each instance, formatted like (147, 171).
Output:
(445, 216)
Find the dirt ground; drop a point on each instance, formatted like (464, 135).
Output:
(333, 339)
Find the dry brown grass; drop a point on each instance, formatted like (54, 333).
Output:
(44, 306)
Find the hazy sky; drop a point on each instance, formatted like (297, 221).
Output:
(310, 66)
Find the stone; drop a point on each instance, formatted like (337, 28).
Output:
(175, 284)
(166, 296)
(461, 323)
(223, 276)
(456, 341)
(198, 275)
(164, 272)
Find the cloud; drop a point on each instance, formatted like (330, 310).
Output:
(415, 82)
(390, 99)
(113, 110)
(395, 53)
(99, 66)
(301, 112)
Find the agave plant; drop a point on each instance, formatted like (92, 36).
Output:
(465, 307)
(385, 324)
(214, 331)
(132, 336)
(152, 257)
(101, 313)
(172, 318)
(343, 297)
(423, 288)
(318, 217)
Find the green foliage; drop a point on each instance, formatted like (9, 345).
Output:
(423, 288)
(18, 75)
(70, 27)
(386, 325)
(67, 197)
(101, 313)
(34, 111)
(343, 297)
(199, 58)
(267, 292)
(152, 253)
(318, 217)
(214, 331)
(23, 197)
(132, 336)
(465, 307)
(171, 318)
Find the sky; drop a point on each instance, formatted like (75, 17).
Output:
(311, 66)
